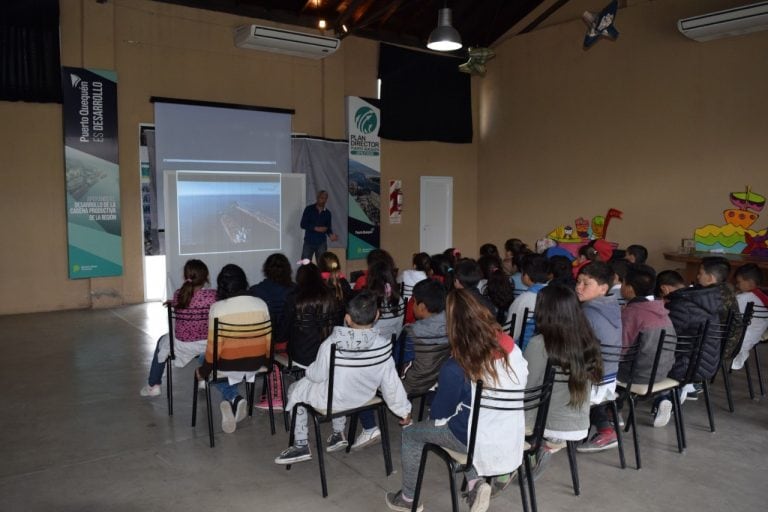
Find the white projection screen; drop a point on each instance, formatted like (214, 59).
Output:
(225, 194)
(222, 245)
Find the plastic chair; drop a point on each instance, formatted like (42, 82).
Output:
(347, 360)
(232, 333)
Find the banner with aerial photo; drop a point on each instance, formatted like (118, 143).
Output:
(89, 112)
(364, 177)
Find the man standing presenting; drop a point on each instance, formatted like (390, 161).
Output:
(316, 223)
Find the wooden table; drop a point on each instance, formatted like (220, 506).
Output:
(692, 262)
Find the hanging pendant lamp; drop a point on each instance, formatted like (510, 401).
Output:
(444, 38)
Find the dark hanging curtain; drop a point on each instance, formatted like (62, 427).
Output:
(29, 51)
(423, 97)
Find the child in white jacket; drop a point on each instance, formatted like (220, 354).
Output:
(353, 387)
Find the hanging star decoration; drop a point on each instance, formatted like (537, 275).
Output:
(601, 25)
(476, 63)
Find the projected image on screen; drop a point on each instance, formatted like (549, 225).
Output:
(222, 212)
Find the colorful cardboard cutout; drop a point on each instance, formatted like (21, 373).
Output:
(573, 239)
(735, 236)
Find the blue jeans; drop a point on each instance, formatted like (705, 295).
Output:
(414, 439)
(317, 250)
(156, 368)
(228, 391)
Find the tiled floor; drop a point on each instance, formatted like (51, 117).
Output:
(76, 436)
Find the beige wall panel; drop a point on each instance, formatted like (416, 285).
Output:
(654, 124)
(33, 259)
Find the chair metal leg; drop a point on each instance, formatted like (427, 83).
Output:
(452, 480)
(422, 405)
(631, 422)
(676, 410)
(617, 428)
(250, 394)
(385, 439)
(285, 400)
(574, 467)
(291, 436)
(749, 380)
(169, 385)
(210, 411)
(320, 454)
(727, 382)
(351, 432)
(420, 479)
(521, 484)
(759, 371)
(531, 485)
(194, 402)
(268, 383)
(709, 407)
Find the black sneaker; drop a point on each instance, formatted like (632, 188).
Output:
(294, 454)
(337, 441)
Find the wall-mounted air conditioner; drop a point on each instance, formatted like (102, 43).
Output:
(727, 23)
(279, 40)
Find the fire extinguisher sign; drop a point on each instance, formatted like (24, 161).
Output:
(395, 201)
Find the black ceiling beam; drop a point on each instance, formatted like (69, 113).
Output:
(543, 16)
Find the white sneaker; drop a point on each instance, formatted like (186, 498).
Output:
(201, 385)
(228, 422)
(241, 409)
(739, 360)
(367, 438)
(148, 390)
(663, 414)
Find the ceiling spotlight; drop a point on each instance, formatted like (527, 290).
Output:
(321, 24)
(444, 38)
(344, 28)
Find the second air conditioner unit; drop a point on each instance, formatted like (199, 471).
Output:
(289, 42)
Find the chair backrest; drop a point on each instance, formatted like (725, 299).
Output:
(352, 360)
(625, 358)
(525, 325)
(746, 320)
(681, 347)
(406, 290)
(510, 400)
(323, 322)
(250, 336)
(184, 315)
(405, 342)
(723, 331)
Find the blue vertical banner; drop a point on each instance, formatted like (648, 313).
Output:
(89, 113)
(364, 184)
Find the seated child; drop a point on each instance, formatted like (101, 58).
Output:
(422, 269)
(535, 269)
(604, 316)
(190, 332)
(353, 387)
(645, 317)
(480, 351)
(467, 275)
(236, 358)
(689, 308)
(749, 277)
(619, 268)
(637, 254)
(667, 282)
(424, 352)
(567, 341)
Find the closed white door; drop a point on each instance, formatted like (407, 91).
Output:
(436, 214)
